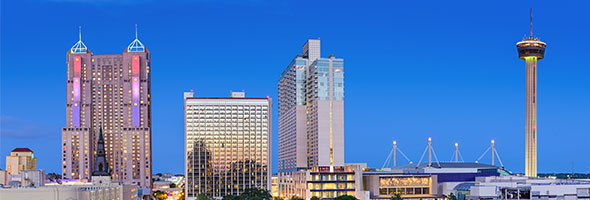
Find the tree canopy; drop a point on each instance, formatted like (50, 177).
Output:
(255, 194)
(396, 196)
(452, 196)
(346, 197)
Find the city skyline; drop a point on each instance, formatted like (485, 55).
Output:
(396, 92)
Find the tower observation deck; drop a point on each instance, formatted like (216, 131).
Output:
(530, 50)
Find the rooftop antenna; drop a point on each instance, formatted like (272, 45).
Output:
(136, 31)
(531, 22)
(80, 32)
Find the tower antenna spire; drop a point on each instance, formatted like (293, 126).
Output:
(531, 22)
(80, 32)
(136, 31)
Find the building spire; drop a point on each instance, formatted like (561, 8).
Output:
(79, 47)
(136, 31)
(136, 45)
(531, 22)
(101, 166)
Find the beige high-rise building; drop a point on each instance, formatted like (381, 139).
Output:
(311, 116)
(228, 143)
(311, 111)
(20, 159)
(112, 92)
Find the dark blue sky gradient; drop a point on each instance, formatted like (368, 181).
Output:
(413, 69)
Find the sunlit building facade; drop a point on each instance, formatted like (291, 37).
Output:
(111, 91)
(228, 142)
(20, 159)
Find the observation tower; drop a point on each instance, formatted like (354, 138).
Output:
(531, 50)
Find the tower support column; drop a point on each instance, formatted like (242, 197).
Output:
(531, 117)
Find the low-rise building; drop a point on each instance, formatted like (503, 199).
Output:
(3, 178)
(34, 178)
(384, 185)
(329, 182)
(520, 187)
(69, 192)
(20, 159)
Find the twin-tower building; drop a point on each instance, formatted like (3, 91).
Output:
(109, 92)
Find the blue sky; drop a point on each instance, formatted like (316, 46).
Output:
(413, 70)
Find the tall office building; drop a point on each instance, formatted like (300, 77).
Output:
(111, 91)
(530, 50)
(311, 114)
(228, 143)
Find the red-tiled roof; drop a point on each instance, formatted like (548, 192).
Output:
(21, 150)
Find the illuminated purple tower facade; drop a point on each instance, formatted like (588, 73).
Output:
(112, 90)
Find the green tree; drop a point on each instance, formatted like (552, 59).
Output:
(202, 196)
(346, 197)
(314, 198)
(255, 194)
(172, 185)
(396, 196)
(230, 197)
(452, 196)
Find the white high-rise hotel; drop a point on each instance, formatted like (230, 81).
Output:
(311, 114)
(227, 147)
